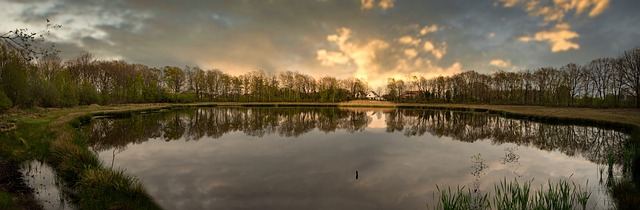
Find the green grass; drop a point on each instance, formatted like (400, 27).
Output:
(514, 195)
(49, 136)
(63, 148)
(6, 201)
(94, 186)
(101, 188)
(460, 199)
(624, 193)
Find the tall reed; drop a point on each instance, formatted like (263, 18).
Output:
(558, 195)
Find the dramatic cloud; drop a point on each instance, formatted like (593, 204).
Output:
(369, 39)
(557, 9)
(375, 60)
(362, 55)
(553, 13)
(560, 38)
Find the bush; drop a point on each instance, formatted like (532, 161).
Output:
(5, 102)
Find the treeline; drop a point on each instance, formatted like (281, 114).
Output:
(51, 82)
(603, 82)
(48, 81)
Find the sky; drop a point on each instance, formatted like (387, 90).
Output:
(367, 39)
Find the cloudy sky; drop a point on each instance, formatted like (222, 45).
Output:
(368, 39)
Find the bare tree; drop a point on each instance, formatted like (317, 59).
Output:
(30, 45)
(631, 72)
(573, 76)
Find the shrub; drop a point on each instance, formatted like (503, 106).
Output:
(5, 102)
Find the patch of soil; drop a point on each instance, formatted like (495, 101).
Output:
(12, 182)
(7, 126)
(7, 123)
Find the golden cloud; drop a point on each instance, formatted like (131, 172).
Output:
(438, 53)
(500, 63)
(559, 38)
(554, 12)
(410, 53)
(429, 29)
(386, 4)
(363, 56)
(327, 58)
(408, 40)
(366, 4)
(383, 4)
(369, 64)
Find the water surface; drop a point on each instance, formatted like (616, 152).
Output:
(307, 158)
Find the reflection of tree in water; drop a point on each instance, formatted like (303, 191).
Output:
(590, 142)
(511, 159)
(193, 124)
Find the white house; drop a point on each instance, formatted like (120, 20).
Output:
(372, 95)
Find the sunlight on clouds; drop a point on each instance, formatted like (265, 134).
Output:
(559, 38)
(429, 29)
(553, 12)
(409, 40)
(363, 56)
(410, 53)
(556, 10)
(509, 3)
(374, 60)
(436, 52)
(386, 4)
(366, 4)
(331, 58)
(500, 63)
(599, 7)
(383, 4)
(432, 70)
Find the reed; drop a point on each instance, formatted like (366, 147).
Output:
(515, 195)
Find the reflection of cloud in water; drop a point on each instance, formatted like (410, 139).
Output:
(378, 120)
(316, 170)
(40, 177)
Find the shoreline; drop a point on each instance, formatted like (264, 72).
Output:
(60, 123)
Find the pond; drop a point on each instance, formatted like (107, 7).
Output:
(344, 158)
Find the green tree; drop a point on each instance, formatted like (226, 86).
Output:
(5, 102)
(174, 78)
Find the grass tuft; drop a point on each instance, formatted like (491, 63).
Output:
(101, 188)
(514, 195)
(69, 159)
(6, 201)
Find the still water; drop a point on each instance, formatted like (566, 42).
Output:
(307, 158)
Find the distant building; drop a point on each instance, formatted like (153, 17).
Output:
(372, 95)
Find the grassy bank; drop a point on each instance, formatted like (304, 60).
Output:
(49, 136)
